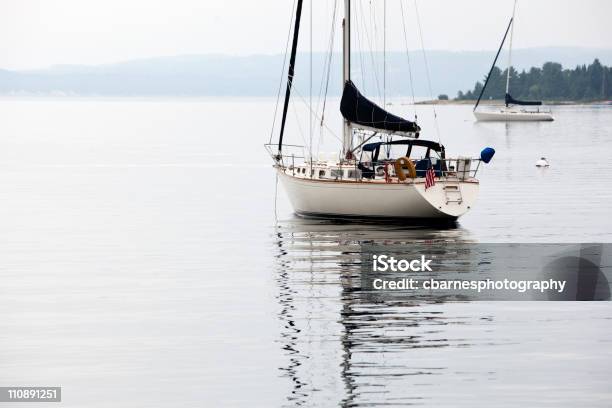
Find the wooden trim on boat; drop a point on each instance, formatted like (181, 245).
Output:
(421, 180)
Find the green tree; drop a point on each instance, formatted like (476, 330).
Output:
(549, 82)
(595, 76)
(552, 84)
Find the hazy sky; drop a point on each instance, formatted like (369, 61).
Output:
(38, 33)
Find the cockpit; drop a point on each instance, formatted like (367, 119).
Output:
(423, 153)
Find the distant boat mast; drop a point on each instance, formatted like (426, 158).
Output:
(510, 50)
(493, 65)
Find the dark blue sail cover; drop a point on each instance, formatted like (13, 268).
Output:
(358, 109)
(511, 101)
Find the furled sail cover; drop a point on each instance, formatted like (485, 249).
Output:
(358, 109)
(511, 101)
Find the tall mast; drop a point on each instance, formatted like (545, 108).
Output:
(385, 54)
(493, 65)
(296, 31)
(510, 51)
(347, 139)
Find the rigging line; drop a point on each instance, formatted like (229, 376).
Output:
(375, 41)
(408, 58)
(510, 51)
(315, 115)
(493, 65)
(329, 64)
(360, 49)
(322, 82)
(416, 9)
(371, 52)
(320, 90)
(290, 75)
(297, 120)
(280, 84)
(384, 52)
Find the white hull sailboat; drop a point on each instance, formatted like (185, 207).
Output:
(365, 181)
(512, 114)
(514, 110)
(447, 199)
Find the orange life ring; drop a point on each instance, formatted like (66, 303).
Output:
(402, 164)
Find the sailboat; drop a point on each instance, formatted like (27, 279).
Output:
(364, 181)
(513, 110)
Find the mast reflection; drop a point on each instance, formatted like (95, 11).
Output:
(329, 321)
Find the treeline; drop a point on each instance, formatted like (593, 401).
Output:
(551, 82)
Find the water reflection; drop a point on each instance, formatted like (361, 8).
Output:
(342, 343)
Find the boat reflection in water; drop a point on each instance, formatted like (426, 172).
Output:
(350, 345)
(346, 346)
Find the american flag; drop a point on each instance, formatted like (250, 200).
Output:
(430, 178)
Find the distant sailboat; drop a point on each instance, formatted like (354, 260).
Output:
(512, 111)
(364, 181)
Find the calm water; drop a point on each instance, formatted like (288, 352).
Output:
(141, 266)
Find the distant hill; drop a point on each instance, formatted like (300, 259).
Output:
(258, 75)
